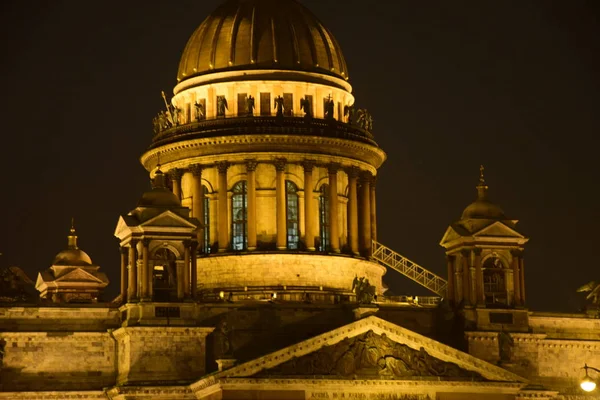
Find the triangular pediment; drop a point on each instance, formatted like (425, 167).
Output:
(169, 219)
(371, 348)
(78, 275)
(498, 229)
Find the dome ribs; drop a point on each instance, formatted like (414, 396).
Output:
(274, 39)
(215, 40)
(235, 26)
(296, 52)
(253, 37)
(262, 34)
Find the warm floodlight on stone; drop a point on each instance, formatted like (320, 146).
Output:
(587, 383)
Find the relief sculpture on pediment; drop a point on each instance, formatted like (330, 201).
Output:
(370, 354)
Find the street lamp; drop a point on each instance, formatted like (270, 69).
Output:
(587, 383)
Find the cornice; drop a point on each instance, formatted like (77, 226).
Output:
(193, 150)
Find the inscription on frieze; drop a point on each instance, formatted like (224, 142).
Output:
(371, 355)
(346, 395)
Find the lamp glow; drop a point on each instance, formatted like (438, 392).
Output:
(587, 384)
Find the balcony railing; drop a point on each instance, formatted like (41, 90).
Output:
(272, 125)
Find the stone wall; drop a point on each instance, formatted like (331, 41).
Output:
(286, 269)
(160, 354)
(57, 361)
(554, 358)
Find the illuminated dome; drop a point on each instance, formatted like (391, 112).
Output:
(262, 34)
(159, 195)
(72, 257)
(483, 209)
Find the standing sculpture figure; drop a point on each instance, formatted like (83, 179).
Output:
(349, 112)
(250, 105)
(176, 112)
(221, 106)
(365, 120)
(365, 292)
(306, 106)
(279, 106)
(200, 111)
(329, 106)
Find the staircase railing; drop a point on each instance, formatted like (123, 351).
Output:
(411, 270)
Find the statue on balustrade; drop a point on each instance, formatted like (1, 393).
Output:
(250, 105)
(365, 292)
(176, 113)
(329, 106)
(222, 106)
(200, 111)
(594, 297)
(365, 120)
(306, 107)
(349, 112)
(279, 106)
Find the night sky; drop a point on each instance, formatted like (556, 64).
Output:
(513, 85)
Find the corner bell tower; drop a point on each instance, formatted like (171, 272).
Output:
(485, 265)
(158, 244)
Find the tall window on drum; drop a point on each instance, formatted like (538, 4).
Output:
(239, 216)
(206, 221)
(324, 218)
(293, 230)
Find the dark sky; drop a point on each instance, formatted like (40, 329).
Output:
(451, 84)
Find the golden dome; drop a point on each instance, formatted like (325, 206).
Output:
(72, 256)
(482, 208)
(262, 34)
(159, 196)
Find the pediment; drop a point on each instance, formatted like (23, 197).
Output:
(169, 219)
(372, 356)
(123, 227)
(371, 348)
(498, 229)
(78, 275)
(451, 234)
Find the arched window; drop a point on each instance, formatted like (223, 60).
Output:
(164, 275)
(293, 230)
(324, 218)
(206, 221)
(239, 216)
(494, 281)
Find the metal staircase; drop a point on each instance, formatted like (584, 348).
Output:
(423, 277)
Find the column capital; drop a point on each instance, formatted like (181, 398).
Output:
(251, 165)
(308, 165)
(477, 251)
(352, 171)
(450, 257)
(196, 169)
(187, 243)
(333, 168)
(222, 166)
(124, 250)
(280, 164)
(366, 177)
(517, 252)
(145, 242)
(176, 173)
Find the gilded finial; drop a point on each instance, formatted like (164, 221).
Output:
(481, 187)
(72, 238)
(481, 178)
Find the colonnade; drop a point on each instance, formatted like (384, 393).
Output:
(137, 271)
(361, 204)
